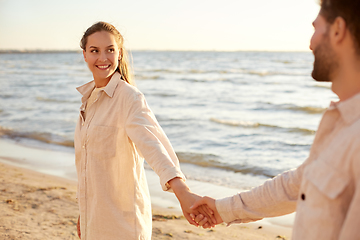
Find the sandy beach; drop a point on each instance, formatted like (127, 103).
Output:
(36, 205)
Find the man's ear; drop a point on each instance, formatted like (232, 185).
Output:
(84, 54)
(338, 30)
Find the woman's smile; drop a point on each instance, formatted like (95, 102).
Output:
(103, 67)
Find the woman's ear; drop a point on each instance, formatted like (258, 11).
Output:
(120, 54)
(84, 54)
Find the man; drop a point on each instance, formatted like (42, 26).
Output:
(325, 190)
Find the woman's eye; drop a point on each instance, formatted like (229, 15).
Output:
(94, 51)
(111, 50)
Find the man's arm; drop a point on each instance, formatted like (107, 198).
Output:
(275, 197)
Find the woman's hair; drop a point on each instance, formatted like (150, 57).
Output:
(124, 65)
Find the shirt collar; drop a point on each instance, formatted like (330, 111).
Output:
(109, 89)
(112, 84)
(348, 109)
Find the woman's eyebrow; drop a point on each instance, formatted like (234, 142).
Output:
(106, 47)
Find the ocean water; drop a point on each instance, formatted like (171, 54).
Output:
(233, 118)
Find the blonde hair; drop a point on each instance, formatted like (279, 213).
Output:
(124, 65)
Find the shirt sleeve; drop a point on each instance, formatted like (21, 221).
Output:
(275, 197)
(143, 129)
(350, 228)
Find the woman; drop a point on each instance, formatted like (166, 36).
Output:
(114, 130)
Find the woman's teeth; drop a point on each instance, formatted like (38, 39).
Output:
(103, 67)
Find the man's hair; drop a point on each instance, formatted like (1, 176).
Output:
(349, 10)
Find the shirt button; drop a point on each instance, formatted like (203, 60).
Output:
(83, 146)
(303, 197)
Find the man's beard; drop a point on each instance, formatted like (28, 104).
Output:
(325, 61)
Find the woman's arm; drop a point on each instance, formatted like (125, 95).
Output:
(143, 129)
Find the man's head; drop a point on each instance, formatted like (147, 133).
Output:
(334, 15)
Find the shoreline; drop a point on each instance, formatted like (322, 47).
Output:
(33, 165)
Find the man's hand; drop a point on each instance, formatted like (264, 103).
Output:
(78, 227)
(187, 199)
(210, 203)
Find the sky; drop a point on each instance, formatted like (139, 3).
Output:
(204, 25)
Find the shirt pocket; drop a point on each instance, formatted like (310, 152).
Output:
(102, 142)
(328, 180)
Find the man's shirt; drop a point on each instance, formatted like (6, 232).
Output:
(324, 191)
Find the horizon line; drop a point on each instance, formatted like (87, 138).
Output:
(136, 50)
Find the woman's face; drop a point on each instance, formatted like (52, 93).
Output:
(102, 55)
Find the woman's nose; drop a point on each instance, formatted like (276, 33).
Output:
(103, 57)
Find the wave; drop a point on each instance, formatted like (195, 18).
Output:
(147, 77)
(273, 73)
(256, 125)
(187, 71)
(310, 110)
(323, 86)
(235, 123)
(222, 71)
(165, 95)
(164, 71)
(42, 99)
(213, 161)
(259, 73)
(198, 159)
(284, 61)
(292, 107)
(38, 136)
(5, 96)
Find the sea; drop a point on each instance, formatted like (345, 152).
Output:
(234, 119)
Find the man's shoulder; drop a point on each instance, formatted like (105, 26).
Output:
(353, 129)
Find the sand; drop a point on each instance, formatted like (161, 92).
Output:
(36, 205)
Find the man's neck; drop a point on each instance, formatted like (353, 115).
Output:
(346, 84)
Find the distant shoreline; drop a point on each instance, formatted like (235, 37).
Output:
(39, 51)
(14, 51)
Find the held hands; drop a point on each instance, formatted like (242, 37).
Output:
(203, 214)
(209, 203)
